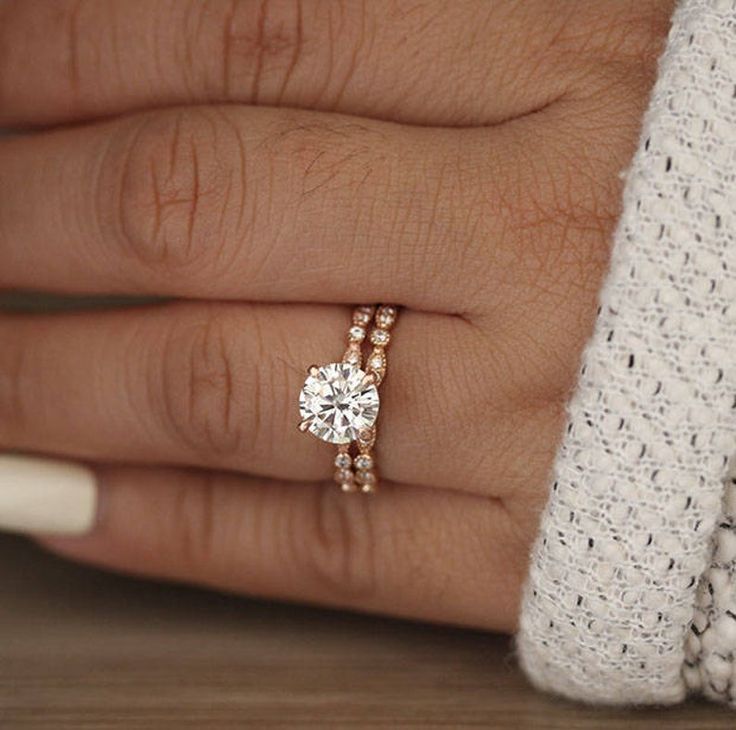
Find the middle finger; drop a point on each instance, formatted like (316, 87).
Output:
(254, 204)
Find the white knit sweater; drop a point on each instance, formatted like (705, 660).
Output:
(631, 596)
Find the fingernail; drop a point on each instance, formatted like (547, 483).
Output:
(45, 496)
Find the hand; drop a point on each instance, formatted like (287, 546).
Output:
(265, 164)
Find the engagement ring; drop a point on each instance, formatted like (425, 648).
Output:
(339, 402)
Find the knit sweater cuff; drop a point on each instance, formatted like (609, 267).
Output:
(631, 596)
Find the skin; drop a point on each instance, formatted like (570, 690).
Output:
(265, 165)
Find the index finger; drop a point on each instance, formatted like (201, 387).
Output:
(68, 60)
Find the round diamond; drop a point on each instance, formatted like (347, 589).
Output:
(366, 477)
(343, 461)
(363, 462)
(357, 333)
(386, 316)
(344, 476)
(380, 337)
(337, 404)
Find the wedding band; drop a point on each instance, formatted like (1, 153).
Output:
(339, 402)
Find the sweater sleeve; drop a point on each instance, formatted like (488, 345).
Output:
(631, 596)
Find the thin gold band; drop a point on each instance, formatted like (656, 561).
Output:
(357, 472)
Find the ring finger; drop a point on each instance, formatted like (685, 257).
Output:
(216, 386)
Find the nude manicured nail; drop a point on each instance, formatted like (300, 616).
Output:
(44, 496)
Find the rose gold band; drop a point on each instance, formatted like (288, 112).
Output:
(357, 472)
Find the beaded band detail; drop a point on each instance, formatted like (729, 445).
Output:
(339, 402)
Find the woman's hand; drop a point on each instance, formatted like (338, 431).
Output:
(266, 163)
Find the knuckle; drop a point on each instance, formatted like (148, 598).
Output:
(176, 190)
(195, 526)
(24, 24)
(336, 547)
(261, 50)
(197, 386)
(269, 384)
(75, 42)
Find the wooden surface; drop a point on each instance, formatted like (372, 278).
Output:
(80, 649)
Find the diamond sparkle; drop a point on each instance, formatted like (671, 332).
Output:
(337, 404)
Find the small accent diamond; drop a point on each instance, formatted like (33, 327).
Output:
(380, 337)
(363, 461)
(357, 333)
(343, 476)
(386, 316)
(343, 461)
(366, 477)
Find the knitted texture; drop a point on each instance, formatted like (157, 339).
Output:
(639, 493)
(710, 662)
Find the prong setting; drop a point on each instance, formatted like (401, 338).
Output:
(339, 402)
